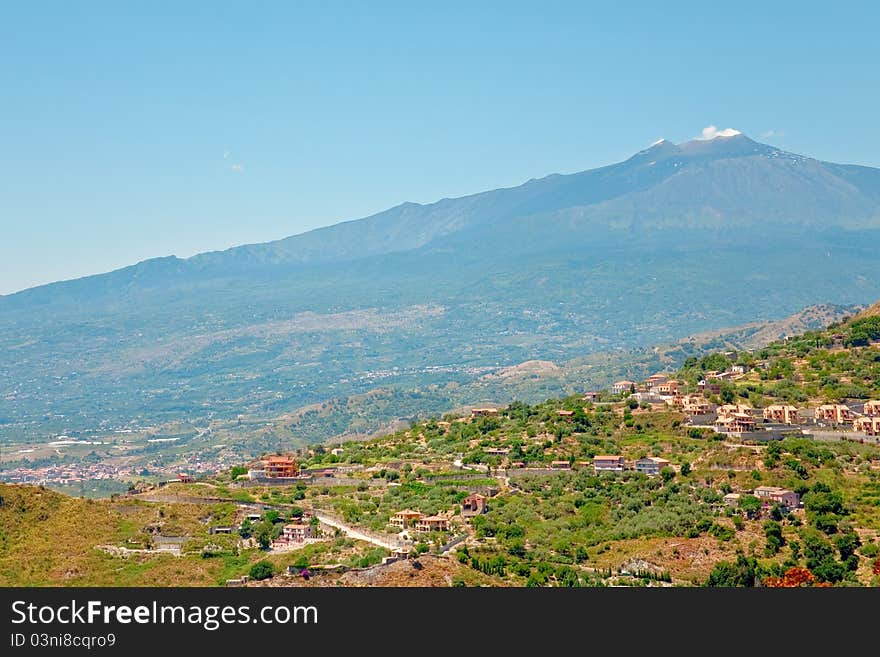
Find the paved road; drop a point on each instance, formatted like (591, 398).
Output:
(353, 532)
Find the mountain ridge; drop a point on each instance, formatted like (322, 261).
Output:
(659, 175)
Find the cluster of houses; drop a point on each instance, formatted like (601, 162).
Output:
(472, 505)
(769, 496)
(660, 385)
(294, 533)
(740, 419)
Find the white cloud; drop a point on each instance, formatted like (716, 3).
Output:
(227, 154)
(238, 168)
(710, 132)
(769, 134)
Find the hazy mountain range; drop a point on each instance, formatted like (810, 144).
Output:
(677, 239)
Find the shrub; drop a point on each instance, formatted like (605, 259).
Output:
(262, 570)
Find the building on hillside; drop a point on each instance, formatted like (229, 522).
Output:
(784, 413)
(697, 406)
(655, 380)
(484, 412)
(732, 499)
(737, 369)
(708, 387)
(297, 532)
(280, 466)
(433, 524)
(405, 518)
(651, 465)
(591, 396)
(869, 425)
(834, 413)
(474, 505)
(564, 414)
(777, 495)
(730, 409)
(608, 463)
(667, 388)
(185, 478)
(620, 387)
(649, 398)
(871, 407)
(735, 423)
(560, 465)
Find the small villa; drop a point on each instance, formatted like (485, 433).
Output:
(784, 413)
(651, 465)
(607, 463)
(405, 518)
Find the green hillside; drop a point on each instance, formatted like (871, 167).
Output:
(551, 520)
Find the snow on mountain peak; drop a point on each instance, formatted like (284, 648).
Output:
(711, 132)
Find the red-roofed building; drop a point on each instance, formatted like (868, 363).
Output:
(280, 466)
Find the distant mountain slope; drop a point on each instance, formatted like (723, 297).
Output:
(719, 183)
(871, 311)
(675, 240)
(756, 335)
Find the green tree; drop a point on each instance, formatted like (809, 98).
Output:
(245, 530)
(263, 533)
(847, 544)
(824, 508)
(739, 574)
(819, 555)
(750, 504)
(773, 533)
(728, 392)
(685, 469)
(262, 570)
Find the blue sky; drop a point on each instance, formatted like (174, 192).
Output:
(129, 131)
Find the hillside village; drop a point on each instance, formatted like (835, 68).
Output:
(738, 469)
